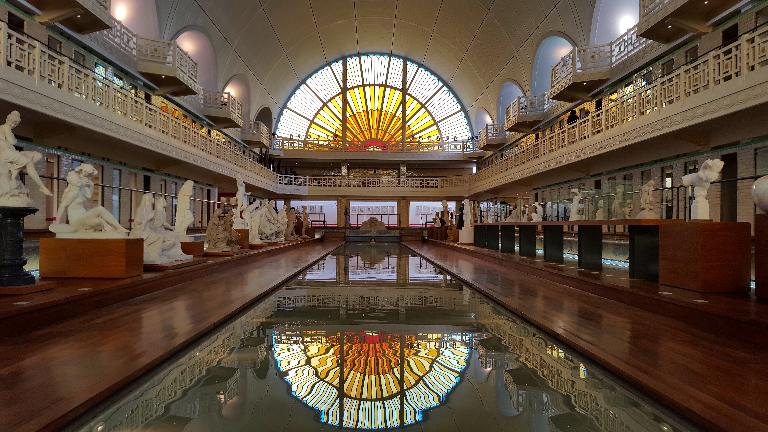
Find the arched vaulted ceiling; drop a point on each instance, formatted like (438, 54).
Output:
(474, 45)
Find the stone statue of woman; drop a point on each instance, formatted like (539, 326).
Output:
(13, 193)
(184, 215)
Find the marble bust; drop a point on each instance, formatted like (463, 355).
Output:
(74, 220)
(575, 206)
(760, 193)
(13, 193)
(700, 181)
(647, 207)
(184, 215)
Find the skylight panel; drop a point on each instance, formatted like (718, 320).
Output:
(292, 124)
(324, 83)
(305, 102)
(424, 85)
(354, 76)
(455, 127)
(395, 74)
(443, 104)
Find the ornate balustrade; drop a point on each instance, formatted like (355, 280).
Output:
(726, 65)
(525, 112)
(118, 41)
(436, 186)
(223, 109)
(33, 61)
(492, 137)
(167, 66)
(81, 16)
(256, 133)
(669, 20)
(462, 146)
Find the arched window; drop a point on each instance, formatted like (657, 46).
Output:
(612, 18)
(199, 47)
(265, 116)
(371, 102)
(548, 54)
(509, 92)
(140, 16)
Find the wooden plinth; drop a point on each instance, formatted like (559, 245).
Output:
(257, 245)
(173, 265)
(761, 256)
(705, 256)
(27, 289)
(245, 235)
(194, 248)
(219, 254)
(91, 258)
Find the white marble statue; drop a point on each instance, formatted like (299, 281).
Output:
(619, 206)
(220, 234)
(256, 215)
(270, 227)
(537, 213)
(709, 172)
(760, 193)
(74, 220)
(600, 211)
(576, 206)
(290, 226)
(305, 222)
(282, 224)
(647, 207)
(184, 215)
(13, 193)
(436, 220)
(162, 244)
(467, 231)
(239, 220)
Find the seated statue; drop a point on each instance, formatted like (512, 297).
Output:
(220, 234)
(13, 193)
(161, 243)
(74, 220)
(184, 215)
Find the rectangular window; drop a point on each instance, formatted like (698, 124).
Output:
(54, 44)
(692, 54)
(15, 23)
(79, 58)
(731, 34)
(667, 67)
(116, 177)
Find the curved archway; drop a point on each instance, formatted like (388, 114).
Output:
(265, 116)
(239, 87)
(140, 16)
(549, 52)
(508, 93)
(199, 47)
(612, 18)
(482, 119)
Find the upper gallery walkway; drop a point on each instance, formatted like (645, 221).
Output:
(51, 374)
(705, 372)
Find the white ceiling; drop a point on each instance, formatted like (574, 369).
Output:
(474, 45)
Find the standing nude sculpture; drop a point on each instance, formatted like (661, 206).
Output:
(709, 172)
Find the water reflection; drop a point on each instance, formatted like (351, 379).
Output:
(400, 346)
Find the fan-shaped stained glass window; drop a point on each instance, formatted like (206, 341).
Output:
(373, 102)
(373, 380)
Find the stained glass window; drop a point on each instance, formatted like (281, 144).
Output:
(371, 380)
(378, 103)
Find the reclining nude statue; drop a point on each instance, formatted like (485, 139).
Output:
(74, 220)
(13, 193)
(161, 242)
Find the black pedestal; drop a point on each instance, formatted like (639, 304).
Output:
(591, 247)
(479, 235)
(508, 239)
(644, 252)
(528, 240)
(12, 259)
(492, 238)
(553, 243)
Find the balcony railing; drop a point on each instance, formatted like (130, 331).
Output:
(524, 112)
(30, 59)
(81, 16)
(375, 182)
(728, 63)
(460, 146)
(650, 7)
(669, 20)
(167, 66)
(223, 109)
(492, 136)
(583, 70)
(119, 41)
(256, 133)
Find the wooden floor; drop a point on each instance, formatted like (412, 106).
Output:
(707, 373)
(50, 375)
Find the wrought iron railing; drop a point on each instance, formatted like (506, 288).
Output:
(734, 61)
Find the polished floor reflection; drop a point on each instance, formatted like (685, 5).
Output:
(373, 338)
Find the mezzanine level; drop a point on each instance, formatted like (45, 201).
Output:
(527, 112)
(256, 134)
(725, 81)
(410, 150)
(668, 20)
(441, 187)
(36, 77)
(81, 16)
(492, 137)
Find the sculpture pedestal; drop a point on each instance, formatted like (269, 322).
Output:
(467, 235)
(91, 258)
(257, 245)
(705, 256)
(194, 248)
(219, 253)
(244, 237)
(700, 209)
(12, 261)
(761, 256)
(174, 265)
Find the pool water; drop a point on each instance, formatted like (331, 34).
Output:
(372, 337)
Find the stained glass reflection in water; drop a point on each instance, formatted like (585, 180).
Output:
(413, 350)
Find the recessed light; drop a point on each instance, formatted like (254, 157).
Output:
(78, 16)
(669, 26)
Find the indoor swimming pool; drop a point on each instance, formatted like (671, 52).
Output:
(375, 337)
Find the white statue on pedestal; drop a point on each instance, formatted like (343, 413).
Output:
(184, 215)
(709, 172)
(514, 215)
(256, 215)
(760, 193)
(13, 193)
(647, 207)
(576, 206)
(467, 231)
(619, 207)
(239, 221)
(305, 222)
(269, 226)
(537, 214)
(161, 243)
(220, 234)
(73, 220)
(600, 211)
(282, 224)
(290, 226)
